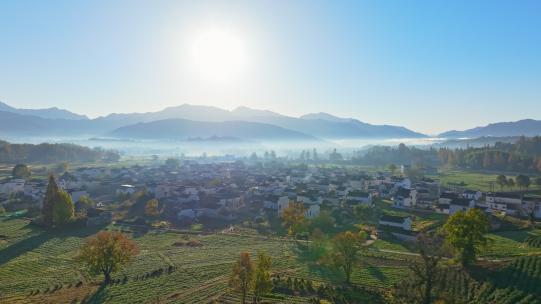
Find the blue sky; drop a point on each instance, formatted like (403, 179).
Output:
(427, 65)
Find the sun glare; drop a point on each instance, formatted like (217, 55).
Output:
(219, 56)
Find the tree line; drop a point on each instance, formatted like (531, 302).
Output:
(48, 153)
(524, 155)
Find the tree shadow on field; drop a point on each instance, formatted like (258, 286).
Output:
(511, 276)
(43, 235)
(98, 296)
(376, 273)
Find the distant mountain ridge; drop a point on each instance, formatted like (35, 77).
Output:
(184, 129)
(49, 113)
(525, 127)
(57, 122)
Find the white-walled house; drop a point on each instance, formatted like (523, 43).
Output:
(402, 198)
(471, 194)
(446, 197)
(311, 210)
(420, 197)
(12, 186)
(507, 202)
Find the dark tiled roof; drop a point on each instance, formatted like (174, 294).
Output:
(393, 218)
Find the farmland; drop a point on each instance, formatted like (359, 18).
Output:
(481, 181)
(41, 267)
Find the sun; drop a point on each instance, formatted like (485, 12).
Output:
(219, 55)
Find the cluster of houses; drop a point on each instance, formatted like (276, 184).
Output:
(223, 190)
(429, 195)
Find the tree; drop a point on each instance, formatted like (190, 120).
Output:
(392, 168)
(511, 182)
(424, 272)
(523, 181)
(63, 210)
(85, 203)
(415, 174)
(21, 171)
(51, 196)
(242, 275)
(502, 181)
(465, 233)
(324, 222)
(262, 283)
(57, 208)
(345, 251)
(152, 207)
(364, 213)
(293, 217)
(106, 252)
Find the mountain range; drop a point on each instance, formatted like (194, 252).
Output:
(525, 127)
(188, 121)
(193, 121)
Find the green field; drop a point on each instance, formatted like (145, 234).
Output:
(511, 243)
(39, 266)
(474, 180)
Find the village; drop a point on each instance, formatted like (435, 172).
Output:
(223, 193)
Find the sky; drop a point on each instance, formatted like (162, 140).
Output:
(431, 66)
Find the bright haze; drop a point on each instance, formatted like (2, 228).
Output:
(430, 66)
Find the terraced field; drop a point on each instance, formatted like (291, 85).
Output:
(518, 282)
(39, 267)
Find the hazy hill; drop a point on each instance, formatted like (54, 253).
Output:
(526, 127)
(28, 125)
(56, 122)
(324, 125)
(51, 113)
(183, 129)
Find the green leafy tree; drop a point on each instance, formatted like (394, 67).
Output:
(317, 245)
(346, 251)
(324, 222)
(51, 195)
(465, 233)
(262, 283)
(501, 180)
(511, 182)
(85, 203)
(106, 252)
(242, 275)
(365, 213)
(63, 210)
(57, 208)
(21, 171)
(523, 181)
